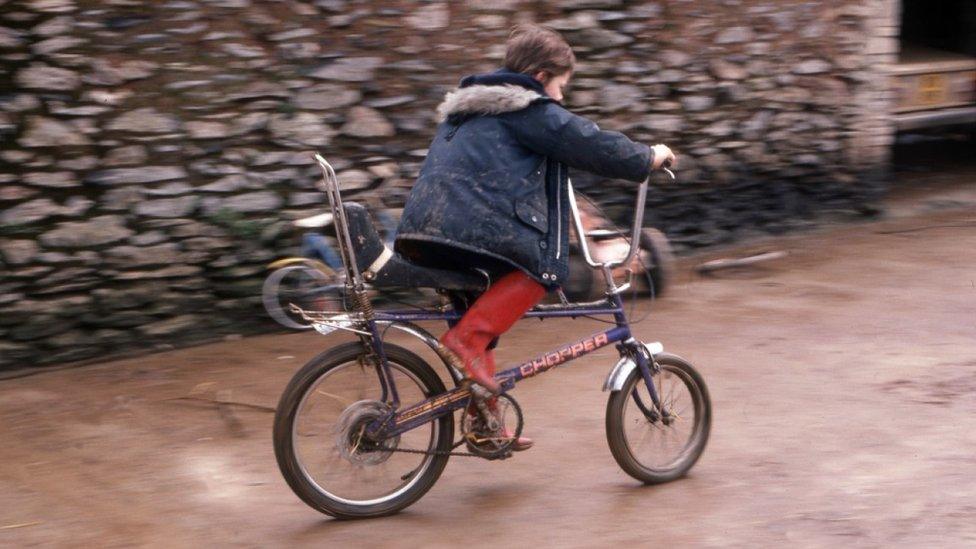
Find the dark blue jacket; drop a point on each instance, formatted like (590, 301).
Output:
(494, 181)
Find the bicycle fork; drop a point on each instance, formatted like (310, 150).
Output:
(648, 368)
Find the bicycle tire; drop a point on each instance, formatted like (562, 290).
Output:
(662, 258)
(617, 439)
(285, 416)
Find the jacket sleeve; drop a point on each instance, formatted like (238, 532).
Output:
(550, 130)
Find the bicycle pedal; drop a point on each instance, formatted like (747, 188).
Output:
(489, 447)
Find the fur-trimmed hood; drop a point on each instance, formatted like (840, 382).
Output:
(486, 100)
(492, 93)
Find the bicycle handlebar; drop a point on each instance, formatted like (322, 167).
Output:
(635, 231)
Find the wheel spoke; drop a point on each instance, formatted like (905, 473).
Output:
(344, 401)
(670, 398)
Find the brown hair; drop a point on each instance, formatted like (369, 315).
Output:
(534, 48)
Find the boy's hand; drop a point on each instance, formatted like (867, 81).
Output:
(663, 157)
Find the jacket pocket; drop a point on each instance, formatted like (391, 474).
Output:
(531, 215)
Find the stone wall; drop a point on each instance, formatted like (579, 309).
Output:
(153, 152)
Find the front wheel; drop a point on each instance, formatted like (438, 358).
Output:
(659, 444)
(319, 442)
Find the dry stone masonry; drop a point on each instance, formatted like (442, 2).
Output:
(154, 152)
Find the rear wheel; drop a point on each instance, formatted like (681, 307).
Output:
(319, 442)
(653, 444)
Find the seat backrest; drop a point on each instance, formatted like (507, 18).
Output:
(365, 238)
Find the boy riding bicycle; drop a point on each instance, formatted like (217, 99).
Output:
(492, 193)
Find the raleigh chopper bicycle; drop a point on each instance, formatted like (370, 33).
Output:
(365, 428)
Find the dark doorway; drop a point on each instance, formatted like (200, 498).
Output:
(948, 25)
(936, 94)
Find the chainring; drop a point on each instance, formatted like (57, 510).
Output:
(483, 442)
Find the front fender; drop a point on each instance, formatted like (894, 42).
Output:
(617, 376)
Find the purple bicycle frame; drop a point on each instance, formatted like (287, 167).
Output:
(403, 420)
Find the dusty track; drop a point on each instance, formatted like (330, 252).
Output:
(843, 380)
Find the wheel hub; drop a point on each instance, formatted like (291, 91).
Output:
(351, 440)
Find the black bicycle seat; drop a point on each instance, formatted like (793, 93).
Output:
(384, 268)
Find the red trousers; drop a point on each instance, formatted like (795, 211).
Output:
(491, 315)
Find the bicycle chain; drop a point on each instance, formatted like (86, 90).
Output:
(443, 452)
(433, 452)
(501, 455)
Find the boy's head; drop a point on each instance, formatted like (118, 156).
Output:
(543, 54)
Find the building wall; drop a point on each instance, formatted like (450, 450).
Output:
(153, 152)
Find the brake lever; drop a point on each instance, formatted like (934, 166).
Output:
(665, 167)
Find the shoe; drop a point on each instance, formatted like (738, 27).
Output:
(491, 315)
(520, 444)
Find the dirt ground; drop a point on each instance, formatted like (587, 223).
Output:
(843, 380)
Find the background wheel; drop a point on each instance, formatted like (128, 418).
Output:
(658, 261)
(318, 442)
(583, 283)
(293, 284)
(649, 446)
